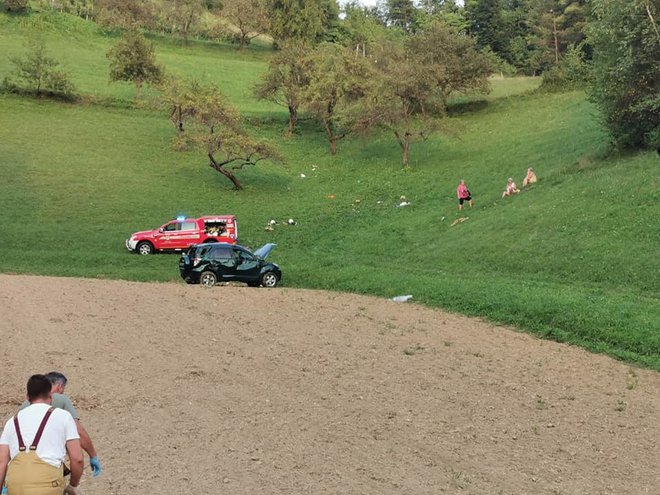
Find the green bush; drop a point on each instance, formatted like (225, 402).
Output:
(37, 73)
(571, 72)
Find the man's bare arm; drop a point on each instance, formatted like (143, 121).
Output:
(76, 459)
(85, 440)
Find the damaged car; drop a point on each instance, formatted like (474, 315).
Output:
(208, 264)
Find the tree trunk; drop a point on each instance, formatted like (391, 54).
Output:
(219, 168)
(293, 118)
(406, 152)
(138, 87)
(332, 139)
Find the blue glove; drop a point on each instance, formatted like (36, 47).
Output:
(96, 466)
(4, 490)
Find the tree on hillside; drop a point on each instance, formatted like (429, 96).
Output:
(286, 79)
(122, 14)
(249, 17)
(337, 79)
(38, 73)
(308, 21)
(625, 36)
(178, 97)
(183, 15)
(133, 59)
(16, 6)
(401, 14)
(358, 29)
(215, 128)
(415, 79)
(486, 23)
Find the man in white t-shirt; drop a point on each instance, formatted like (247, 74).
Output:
(34, 443)
(61, 401)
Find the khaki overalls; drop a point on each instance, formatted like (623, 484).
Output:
(29, 475)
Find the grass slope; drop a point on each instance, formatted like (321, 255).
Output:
(574, 257)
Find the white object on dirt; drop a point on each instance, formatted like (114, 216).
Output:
(402, 299)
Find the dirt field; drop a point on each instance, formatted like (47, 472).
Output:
(187, 390)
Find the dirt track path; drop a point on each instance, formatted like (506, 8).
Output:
(243, 391)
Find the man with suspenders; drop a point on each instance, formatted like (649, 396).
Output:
(51, 434)
(61, 401)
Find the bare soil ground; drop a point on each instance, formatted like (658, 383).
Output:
(242, 391)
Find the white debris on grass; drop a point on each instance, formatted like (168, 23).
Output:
(402, 299)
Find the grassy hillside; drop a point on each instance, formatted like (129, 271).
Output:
(575, 257)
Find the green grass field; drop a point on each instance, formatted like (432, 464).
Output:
(574, 258)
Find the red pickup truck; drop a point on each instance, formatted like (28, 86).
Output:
(182, 233)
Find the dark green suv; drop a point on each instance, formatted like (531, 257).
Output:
(208, 264)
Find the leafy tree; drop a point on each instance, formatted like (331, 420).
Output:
(216, 129)
(122, 14)
(286, 79)
(486, 23)
(401, 14)
(302, 20)
(133, 59)
(16, 5)
(249, 17)
(415, 78)
(183, 15)
(178, 98)
(337, 79)
(359, 29)
(626, 69)
(38, 72)
(445, 11)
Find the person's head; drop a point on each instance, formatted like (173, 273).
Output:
(530, 170)
(462, 182)
(57, 380)
(509, 179)
(38, 388)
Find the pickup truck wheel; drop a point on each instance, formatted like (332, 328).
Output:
(208, 279)
(269, 279)
(145, 248)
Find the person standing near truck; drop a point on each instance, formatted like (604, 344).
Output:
(51, 435)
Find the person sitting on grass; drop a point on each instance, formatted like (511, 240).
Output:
(530, 178)
(511, 188)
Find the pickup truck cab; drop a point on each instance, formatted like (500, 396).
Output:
(181, 233)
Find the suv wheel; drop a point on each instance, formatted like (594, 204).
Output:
(208, 279)
(269, 279)
(145, 248)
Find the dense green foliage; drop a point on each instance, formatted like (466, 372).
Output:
(625, 35)
(133, 59)
(574, 257)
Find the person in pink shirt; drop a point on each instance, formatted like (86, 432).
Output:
(463, 194)
(511, 188)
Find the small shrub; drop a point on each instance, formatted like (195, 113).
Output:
(38, 74)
